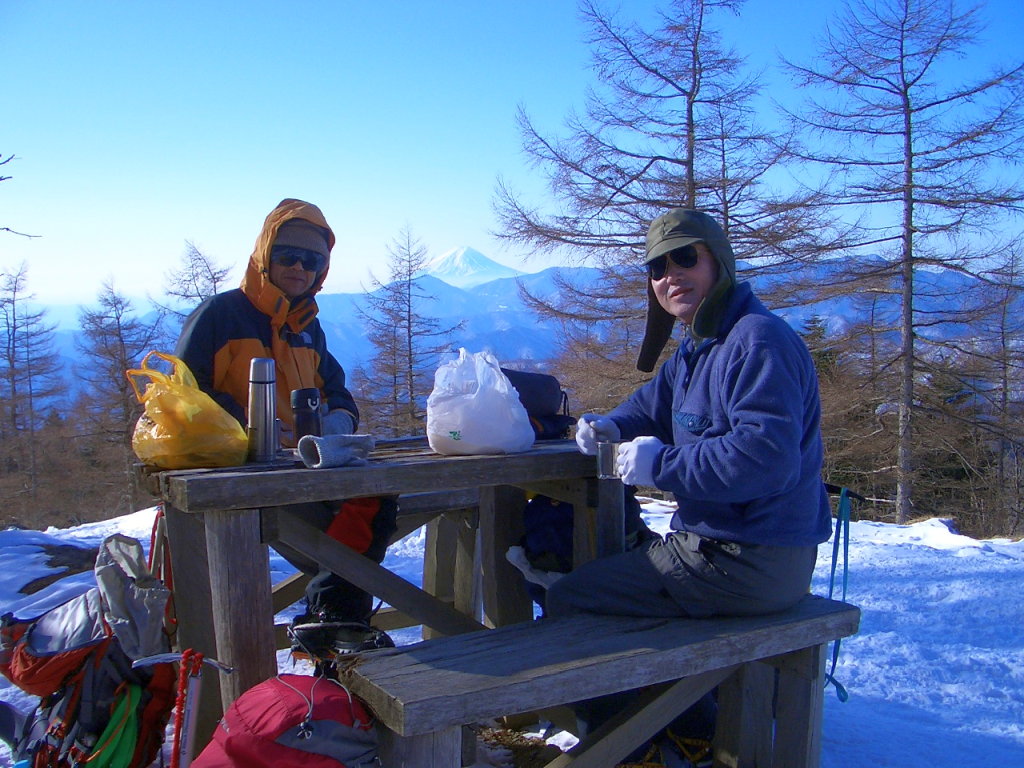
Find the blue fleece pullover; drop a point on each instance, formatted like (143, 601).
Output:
(740, 417)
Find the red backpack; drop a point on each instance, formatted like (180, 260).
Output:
(78, 657)
(293, 721)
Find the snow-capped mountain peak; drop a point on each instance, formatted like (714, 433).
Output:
(466, 267)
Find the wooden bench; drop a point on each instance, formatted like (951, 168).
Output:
(423, 694)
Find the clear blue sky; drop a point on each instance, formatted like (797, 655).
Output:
(138, 125)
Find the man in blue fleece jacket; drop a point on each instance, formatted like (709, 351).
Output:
(729, 425)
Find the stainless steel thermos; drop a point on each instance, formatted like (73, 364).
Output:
(306, 412)
(262, 410)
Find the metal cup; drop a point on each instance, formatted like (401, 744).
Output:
(606, 455)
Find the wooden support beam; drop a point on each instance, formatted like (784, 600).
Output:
(289, 590)
(465, 587)
(417, 509)
(629, 729)
(575, 492)
(193, 605)
(406, 524)
(505, 599)
(611, 527)
(240, 576)
(441, 749)
(365, 574)
(439, 562)
(800, 711)
(584, 535)
(743, 731)
(414, 511)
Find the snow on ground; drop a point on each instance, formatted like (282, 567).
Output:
(935, 676)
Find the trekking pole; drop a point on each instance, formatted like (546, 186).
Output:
(190, 682)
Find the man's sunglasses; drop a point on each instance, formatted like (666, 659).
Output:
(685, 258)
(289, 255)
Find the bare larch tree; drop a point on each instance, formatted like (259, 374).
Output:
(915, 153)
(671, 122)
(407, 342)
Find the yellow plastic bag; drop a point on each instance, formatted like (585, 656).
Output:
(183, 427)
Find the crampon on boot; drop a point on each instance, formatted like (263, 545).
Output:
(321, 639)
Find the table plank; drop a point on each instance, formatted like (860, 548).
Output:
(267, 485)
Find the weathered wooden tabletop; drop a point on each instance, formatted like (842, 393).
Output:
(395, 467)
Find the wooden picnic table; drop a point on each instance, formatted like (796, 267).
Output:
(221, 521)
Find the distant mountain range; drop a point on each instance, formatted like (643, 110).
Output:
(492, 315)
(465, 286)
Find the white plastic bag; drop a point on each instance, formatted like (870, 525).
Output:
(475, 410)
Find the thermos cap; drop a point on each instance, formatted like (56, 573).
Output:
(262, 370)
(306, 398)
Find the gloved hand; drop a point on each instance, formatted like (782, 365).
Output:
(593, 428)
(338, 423)
(635, 461)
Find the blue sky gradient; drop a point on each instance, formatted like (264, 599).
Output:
(136, 126)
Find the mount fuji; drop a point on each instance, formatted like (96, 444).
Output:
(466, 267)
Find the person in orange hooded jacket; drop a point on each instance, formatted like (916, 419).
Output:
(274, 314)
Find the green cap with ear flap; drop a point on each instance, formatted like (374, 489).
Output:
(675, 229)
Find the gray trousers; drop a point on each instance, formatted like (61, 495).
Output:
(687, 575)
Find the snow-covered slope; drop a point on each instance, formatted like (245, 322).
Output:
(935, 675)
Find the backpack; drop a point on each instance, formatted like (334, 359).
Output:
(547, 540)
(545, 401)
(94, 708)
(293, 721)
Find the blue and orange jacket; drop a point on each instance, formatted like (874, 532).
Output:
(226, 331)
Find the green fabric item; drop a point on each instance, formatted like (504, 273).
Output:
(116, 746)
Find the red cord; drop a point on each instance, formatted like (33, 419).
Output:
(191, 663)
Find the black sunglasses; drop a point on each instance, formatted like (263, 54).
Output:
(288, 255)
(684, 258)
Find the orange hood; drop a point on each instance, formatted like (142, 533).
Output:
(256, 284)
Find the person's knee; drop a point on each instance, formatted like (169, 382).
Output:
(560, 599)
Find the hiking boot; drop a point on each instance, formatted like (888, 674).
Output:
(322, 638)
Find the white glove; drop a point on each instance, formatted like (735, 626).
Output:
(635, 461)
(593, 428)
(338, 423)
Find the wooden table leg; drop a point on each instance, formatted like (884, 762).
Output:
(243, 614)
(611, 525)
(743, 731)
(448, 561)
(439, 563)
(192, 603)
(800, 710)
(584, 526)
(441, 749)
(505, 599)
